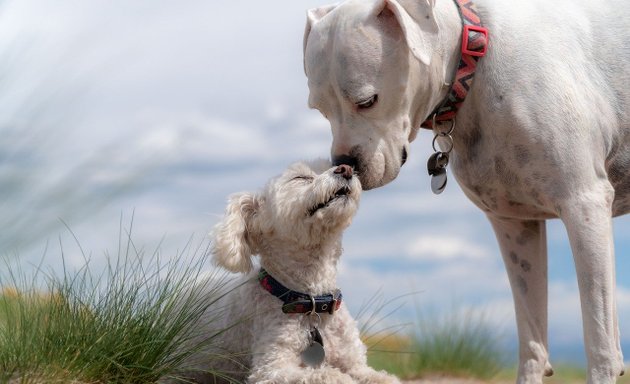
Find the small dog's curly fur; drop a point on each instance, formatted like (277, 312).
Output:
(295, 224)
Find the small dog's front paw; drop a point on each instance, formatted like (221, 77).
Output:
(326, 375)
(332, 376)
(371, 376)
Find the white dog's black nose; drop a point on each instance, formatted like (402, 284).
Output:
(345, 159)
(344, 171)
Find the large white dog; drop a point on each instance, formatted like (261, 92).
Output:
(543, 133)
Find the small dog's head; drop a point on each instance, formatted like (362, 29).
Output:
(302, 208)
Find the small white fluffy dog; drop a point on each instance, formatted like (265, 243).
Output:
(295, 224)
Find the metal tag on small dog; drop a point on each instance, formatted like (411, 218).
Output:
(313, 356)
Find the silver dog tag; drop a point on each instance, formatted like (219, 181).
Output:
(436, 166)
(437, 161)
(438, 181)
(313, 356)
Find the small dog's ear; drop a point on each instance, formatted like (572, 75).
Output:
(234, 237)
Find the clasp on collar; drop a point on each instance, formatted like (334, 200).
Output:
(335, 301)
(475, 43)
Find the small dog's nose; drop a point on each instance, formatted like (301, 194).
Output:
(344, 170)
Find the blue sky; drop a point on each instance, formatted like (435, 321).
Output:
(165, 108)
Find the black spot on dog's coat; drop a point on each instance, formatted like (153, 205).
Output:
(471, 140)
(522, 285)
(522, 155)
(529, 232)
(505, 175)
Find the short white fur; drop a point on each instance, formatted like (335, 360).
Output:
(544, 133)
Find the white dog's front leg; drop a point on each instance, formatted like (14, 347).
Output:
(587, 218)
(523, 245)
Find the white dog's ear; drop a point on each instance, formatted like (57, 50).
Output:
(234, 238)
(417, 21)
(313, 16)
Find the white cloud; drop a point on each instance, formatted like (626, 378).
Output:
(445, 248)
(208, 138)
(432, 291)
(565, 325)
(162, 140)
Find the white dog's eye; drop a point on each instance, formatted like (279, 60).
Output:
(367, 103)
(303, 178)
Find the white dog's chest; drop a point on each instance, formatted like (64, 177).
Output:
(619, 176)
(511, 177)
(497, 186)
(526, 139)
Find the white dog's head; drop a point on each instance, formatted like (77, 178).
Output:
(306, 206)
(372, 73)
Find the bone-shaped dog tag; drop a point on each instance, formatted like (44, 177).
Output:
(313, 356)
(436, 166)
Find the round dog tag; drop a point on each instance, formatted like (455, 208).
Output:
(313, 356)
(438, 181)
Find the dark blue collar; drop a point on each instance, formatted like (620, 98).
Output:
(298, 302)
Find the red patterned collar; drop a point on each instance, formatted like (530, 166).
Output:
(473, 47)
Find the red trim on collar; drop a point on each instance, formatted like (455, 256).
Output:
(474, 46)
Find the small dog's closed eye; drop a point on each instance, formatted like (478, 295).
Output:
(291, 323)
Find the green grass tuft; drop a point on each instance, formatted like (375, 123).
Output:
(126, 324)
(460, 345)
